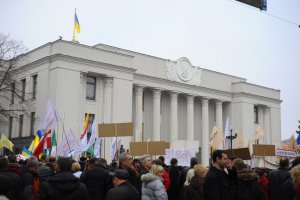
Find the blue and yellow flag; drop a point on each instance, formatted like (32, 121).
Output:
(26, 152)
(76, 23)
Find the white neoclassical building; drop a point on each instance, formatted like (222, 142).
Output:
(166, 100)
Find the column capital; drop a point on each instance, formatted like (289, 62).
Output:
(174, 96)
(108, 82)
(190, 99)
(205, 100)
(219, 103)
(266, 109)
(139, 90)
(156, 92)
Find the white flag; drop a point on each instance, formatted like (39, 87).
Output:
(97, 147)
(114, 148)
(68, 144)
(85, 144)
(51, 117)
(227, 127)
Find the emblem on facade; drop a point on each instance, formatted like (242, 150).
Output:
(182, 71)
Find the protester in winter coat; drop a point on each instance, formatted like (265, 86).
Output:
(13, 166)
(76, 169)
(194, 190)
(247, 187)
(263, 180)
(10, 184)
(287, 190)
(146, 164)
(217, 185)
(63, 185)
(153, 188)
(122, 190)
(296, 181)
(165, 175)
(277, 178)
(44, 173)
(29, 179)
(125, 162)
(97, 180)
(173, 192)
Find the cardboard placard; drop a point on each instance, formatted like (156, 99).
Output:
(138, 148)
(149, 148)
(263, 150)
(242, 153)
(156, 148)
(115, 129)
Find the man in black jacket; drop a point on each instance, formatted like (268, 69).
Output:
(123, 189)
(217, 185)
(10, 185)
(63, 185)
(97, 180)
(277, 178)
(125, 162)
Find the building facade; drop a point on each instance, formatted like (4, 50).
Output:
(166, 100)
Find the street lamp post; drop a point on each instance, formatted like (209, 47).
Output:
(231, 137)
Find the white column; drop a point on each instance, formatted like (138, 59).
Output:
(156, 114)
(107, 103)
(138, 113)
(205, 134)
(173, 116)
(190, 117)
(261, 123)
(219, 114)
(267, 125)
(107, 114)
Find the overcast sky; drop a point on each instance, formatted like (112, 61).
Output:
(220, 35)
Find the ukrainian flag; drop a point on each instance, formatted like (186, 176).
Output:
(26, 152)
(76, 24)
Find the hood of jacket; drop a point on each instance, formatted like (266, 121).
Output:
(64, 182)
(149, 178)
(247, 175)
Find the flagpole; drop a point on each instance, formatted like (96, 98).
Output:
(74, 39)
(64, 133)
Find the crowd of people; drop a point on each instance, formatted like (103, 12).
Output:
(146, 179)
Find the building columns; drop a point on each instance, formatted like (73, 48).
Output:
(156, 114)
(205, 133)
(173, 116)
(107, 103)
(190, 117)
(138, 113)
(267, 125)
(219, 114)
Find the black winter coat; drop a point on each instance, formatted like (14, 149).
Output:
(247, 187)
(63, 185)
(287, 191)
(276, 179)
(10, 184)
(133, 179)
(124, 191)
(217, 185)
(97, 181)
(194, 190)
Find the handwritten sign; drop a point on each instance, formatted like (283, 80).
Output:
(183, 156)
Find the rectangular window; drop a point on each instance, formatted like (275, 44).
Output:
(32, 123)
(34, 84)
(21, 125)
(13, 89)
(23, 86)
(91, 87)
(10, 125)
(256, 114)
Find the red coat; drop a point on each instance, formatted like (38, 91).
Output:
(166, 178)
(264, 182)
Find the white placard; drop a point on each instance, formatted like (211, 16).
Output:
(183, 156)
